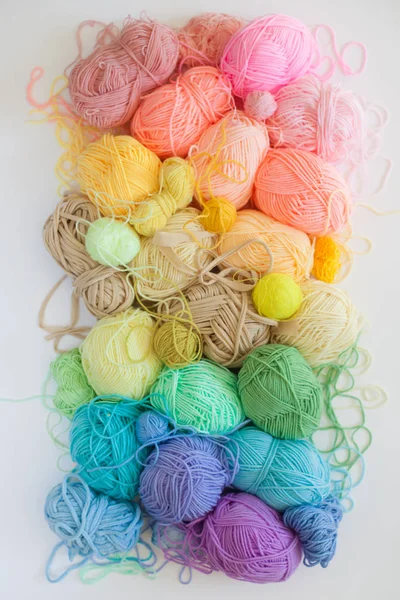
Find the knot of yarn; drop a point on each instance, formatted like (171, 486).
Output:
(327, 259)
(73, 388)
(178, 344)
(218, 216)
(151, 426)
(260, 105)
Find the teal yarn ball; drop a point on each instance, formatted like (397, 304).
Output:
(203, 396)
(112, 243)
(282, 473)
(104, 444)
(280, 392)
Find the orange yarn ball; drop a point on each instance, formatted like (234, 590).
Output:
(173, 117)
(326, 259)
(301, 190)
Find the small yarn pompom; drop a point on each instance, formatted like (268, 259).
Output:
(260, 105)
(280, 392)
(90, 524)
(183, 479)
(326, 259)
(104, 444)
(218, 216)
(176, 183)
(317, 528)
(151, 426)
(277, 296)
(73, 388)
(177, 344)
(111, 242)
(282, 473)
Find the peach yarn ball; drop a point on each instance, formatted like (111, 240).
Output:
(291, 249)
(301, 190)
(106, 86)
(173, 117)
(226, 158)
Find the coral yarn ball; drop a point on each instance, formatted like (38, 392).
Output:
(277, 296)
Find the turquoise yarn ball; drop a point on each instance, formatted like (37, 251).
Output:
(112, 243)
(282, 473)
(104, 443)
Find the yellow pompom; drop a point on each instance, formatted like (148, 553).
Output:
(177, 344)
(277, 296)
(326, 259)
(219, 215)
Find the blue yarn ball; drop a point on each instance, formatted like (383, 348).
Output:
(282, 473)
(151, 426)
(316, 527)
(104, 444)
(183, 479)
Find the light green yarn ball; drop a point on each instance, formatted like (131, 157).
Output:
(280, 392)
(111, 242)
(73, 387)
(202, 395)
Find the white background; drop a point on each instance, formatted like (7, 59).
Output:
(42, 33)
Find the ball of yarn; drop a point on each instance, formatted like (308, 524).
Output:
(177, 344)
(118, 355)
(111, 243)
(291, 249)
(242, 537)
(327, 324)
(280, 392)
(317, 117)
(260, 105)
(107, 85)
(317, 528)
(151, 426)
(277, 296)
(203, 396)
(104, 444)
(176, 183)
(173, 117)
(218, 216)
(283, 473)
(300, 189)
(226, 158)
(116, 173)
(267, 54)
(91, 524)
(172, 259)
(104, 290)
(73, 388)
(203, 39)
(327, 259)
(183, 479)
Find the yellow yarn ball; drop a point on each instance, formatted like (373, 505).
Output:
(176, 184)
(118, 355)
(177, 344)
(326, 259)
(117, 173)
(219, 215)
(277, 296)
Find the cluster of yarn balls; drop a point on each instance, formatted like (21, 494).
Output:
(203, 239)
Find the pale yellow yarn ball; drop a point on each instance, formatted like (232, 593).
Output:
(277, 296)
(118, 355)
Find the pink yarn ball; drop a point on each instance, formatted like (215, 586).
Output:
(267, 54)
(317, 117)
(260, 105)
(106, 86)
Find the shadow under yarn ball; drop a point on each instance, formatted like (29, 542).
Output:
(280, 392)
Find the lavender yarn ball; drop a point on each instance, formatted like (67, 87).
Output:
(151, 427)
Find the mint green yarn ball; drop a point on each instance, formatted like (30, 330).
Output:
(111, 242)
(203, 395)
(280, 392)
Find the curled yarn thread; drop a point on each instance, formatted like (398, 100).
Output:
(106, 86)
(301, 190)
(280, 392)
(104, 444)
(151, 426)
(283, 473)
(174, 116)
(242, 537)
(317, 528)
(203, 396)
(73, 388)
(88, 524)
(183, 479)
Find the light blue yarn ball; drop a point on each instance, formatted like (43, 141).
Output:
(151, 426)
(282, 473)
